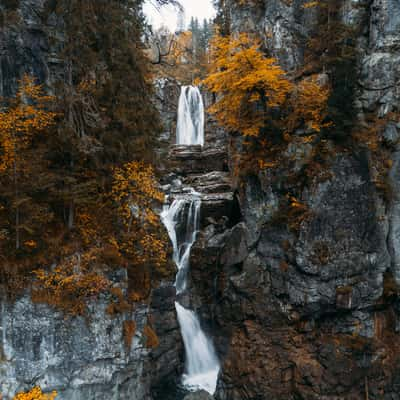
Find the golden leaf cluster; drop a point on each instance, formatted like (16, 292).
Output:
(308, 106)
(135, 192)
(247, 83)
(23, 117)
(35, 394)
(250, 86)
(69, 285)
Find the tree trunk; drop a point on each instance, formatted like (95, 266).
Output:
(71, 215)
(16, 194)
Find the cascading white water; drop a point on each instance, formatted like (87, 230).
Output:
(180, 211)
(202, 365)
(182, 219)
(190, 126)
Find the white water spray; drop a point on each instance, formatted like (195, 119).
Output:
(190, 126)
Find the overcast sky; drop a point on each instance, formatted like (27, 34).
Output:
(168, 15)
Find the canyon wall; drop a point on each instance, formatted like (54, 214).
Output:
(312, 312)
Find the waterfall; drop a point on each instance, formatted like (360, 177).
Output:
(172, 217)
(182, 220)
(190, 126)
(202, 366)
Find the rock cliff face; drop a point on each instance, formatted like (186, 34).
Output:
(25, 45)
(313, 314)
(93, 357)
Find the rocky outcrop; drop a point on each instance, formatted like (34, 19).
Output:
(25, 45)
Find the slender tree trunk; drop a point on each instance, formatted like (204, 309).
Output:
(16, 198)
(71, 214)
(71, 207)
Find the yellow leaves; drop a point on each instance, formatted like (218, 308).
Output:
(308, 106)
(30, 244)
(35, 394)
(249, 83)
(311, 4)
(87, 225)
(25, 116)
(135, 192)
(266, 164)
(296, 204)
(69, 285)
(152, 340)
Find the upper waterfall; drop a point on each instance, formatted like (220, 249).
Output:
(190, 126)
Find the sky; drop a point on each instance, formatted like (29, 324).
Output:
(168, 14)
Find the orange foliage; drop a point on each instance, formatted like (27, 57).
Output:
(129, 329)
(25, 115)
(135, 190)
(35, 394)
(308, 106)
(119, 304)
(135, 193)
(248, 84)
(69, 285)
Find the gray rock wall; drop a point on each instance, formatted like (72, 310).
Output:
(25, 45)
(88, 357)
(313, 314)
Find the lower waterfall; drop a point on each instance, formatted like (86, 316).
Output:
(182, 220)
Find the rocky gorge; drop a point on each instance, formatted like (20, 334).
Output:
(304, 313)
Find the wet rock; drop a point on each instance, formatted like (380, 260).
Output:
(187, 160)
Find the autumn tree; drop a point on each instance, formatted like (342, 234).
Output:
(21, 119)
(308, 106)
(135, 193)
(181, 55)
(247, 83)
(172, 55)
(253, 92)
(35, 394)
(55, 198)
(69, 285)
(105, 94)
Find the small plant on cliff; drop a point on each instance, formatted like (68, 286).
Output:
(35, 394)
